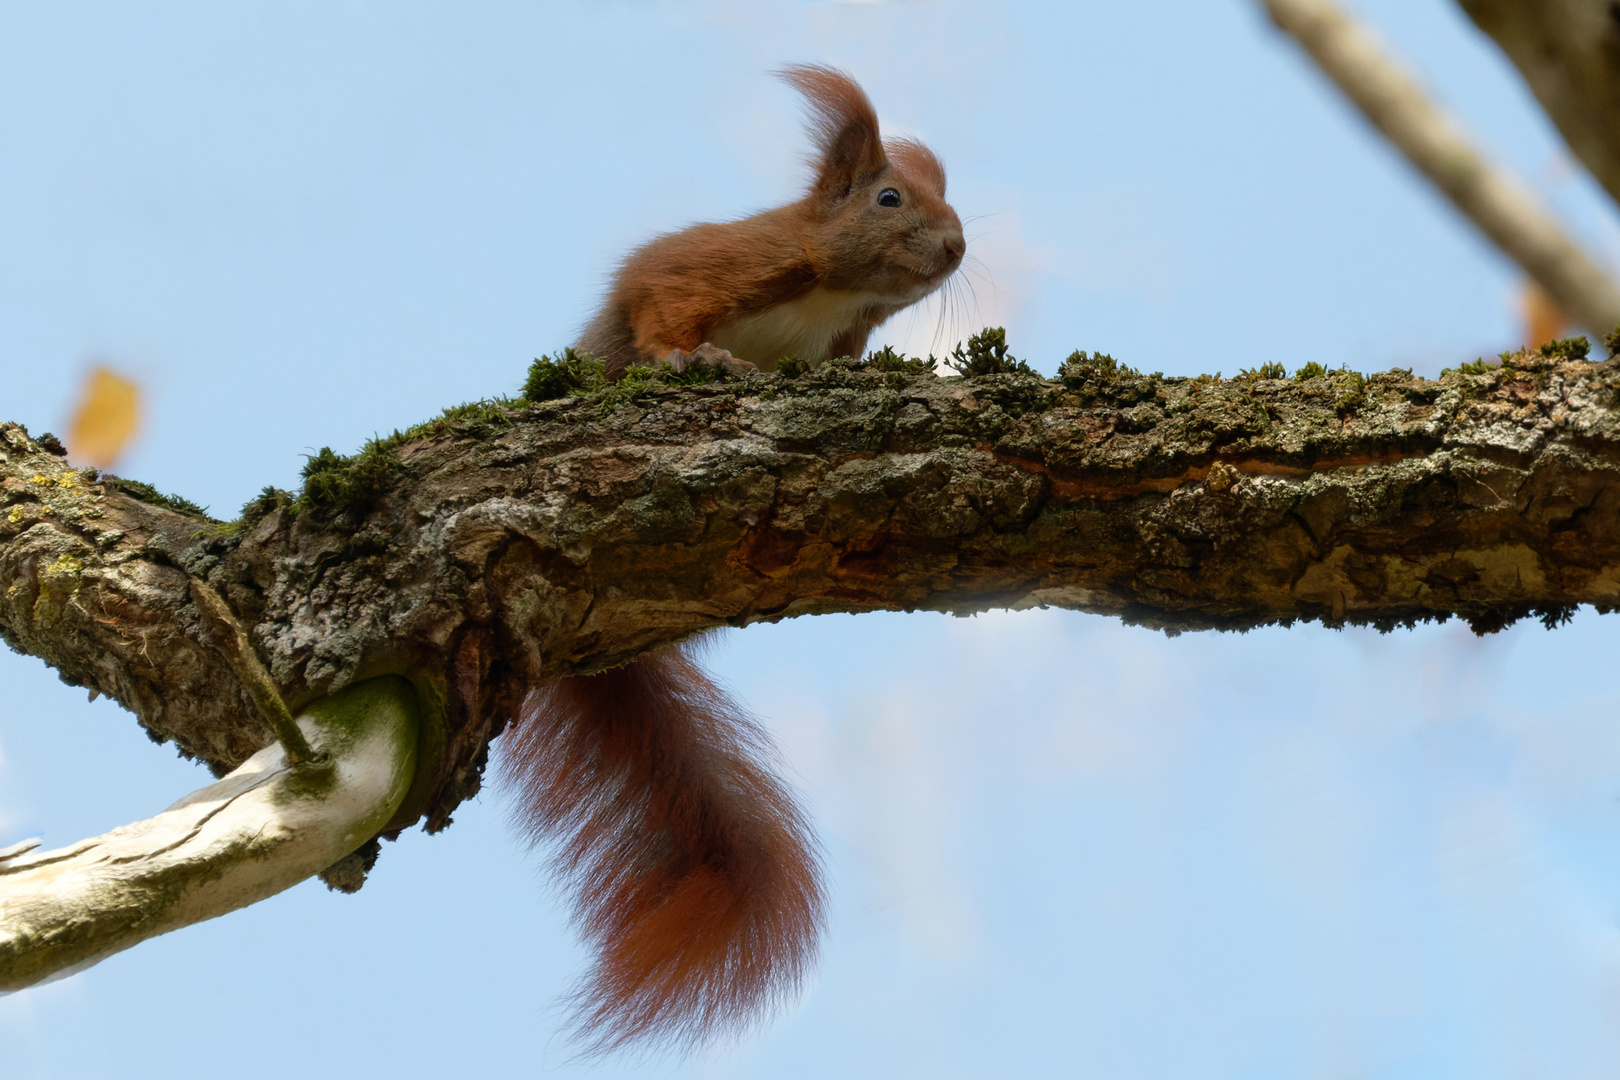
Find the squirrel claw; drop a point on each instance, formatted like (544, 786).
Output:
(709, 356)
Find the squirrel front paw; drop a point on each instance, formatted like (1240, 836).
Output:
(709, 356)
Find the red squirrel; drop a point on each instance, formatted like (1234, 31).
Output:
(693, 870)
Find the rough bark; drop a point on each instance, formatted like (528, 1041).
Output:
(1569, 54)
(483, 557)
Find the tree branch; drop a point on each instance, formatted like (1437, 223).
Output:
(487, 554)
(267, 826)
(1569, 54)
(1489, 196)
(256, 680)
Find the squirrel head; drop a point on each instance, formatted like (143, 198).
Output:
(880, 220)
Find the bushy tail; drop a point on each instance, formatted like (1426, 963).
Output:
(692, 870)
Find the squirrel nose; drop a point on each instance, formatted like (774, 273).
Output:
(955, 244)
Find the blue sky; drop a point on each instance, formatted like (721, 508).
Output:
(1058, 846)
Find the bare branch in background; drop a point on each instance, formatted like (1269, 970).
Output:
(1569, 53)
(1493, 199)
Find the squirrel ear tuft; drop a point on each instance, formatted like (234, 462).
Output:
(845, 127)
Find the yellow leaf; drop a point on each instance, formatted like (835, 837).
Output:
(106, 419)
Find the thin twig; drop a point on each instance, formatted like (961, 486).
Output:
(255, 677)
(1489, 196)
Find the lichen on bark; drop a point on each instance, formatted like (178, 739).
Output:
(513, 543)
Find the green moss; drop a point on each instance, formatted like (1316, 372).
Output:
(1611, 341)
(577, 374)
(1352, 386)
(338, 484)
(1570, 348)
(1081, 366)
(474, 418)
(334, 484)
(636, 381)
(639, 382)
(1496, 619)
(1554, 616)
(254, 511)
(1264, 371)
(986, 354)
(887, 360)
(1478, 367)
(146, 493)
(264, 504)
(792, 367)
(692, 376)
(572, 372)
(495, 411)
(1311, 370)
(220, 530)
(843, 363)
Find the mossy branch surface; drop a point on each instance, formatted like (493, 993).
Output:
(509, 543)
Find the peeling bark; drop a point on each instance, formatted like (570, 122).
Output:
(267, 826)
(565, 537)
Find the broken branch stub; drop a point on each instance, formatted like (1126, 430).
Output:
(263, 828)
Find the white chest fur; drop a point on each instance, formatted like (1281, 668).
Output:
(802, 328)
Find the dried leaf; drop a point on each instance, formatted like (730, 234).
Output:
(106, 419)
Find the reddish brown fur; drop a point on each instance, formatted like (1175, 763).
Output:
(692, 868)
(701, 284)
(918, 162)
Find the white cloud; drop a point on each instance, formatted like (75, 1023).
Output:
(900, 798)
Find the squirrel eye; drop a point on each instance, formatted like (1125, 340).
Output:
(888, 197)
